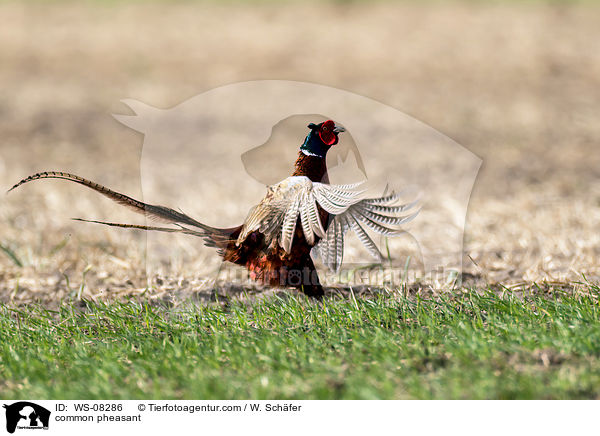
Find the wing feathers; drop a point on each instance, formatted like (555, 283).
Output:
(315, 219)
(365, 238)
(296, 199)
(376, 214)
(289, 225)
(305, 220)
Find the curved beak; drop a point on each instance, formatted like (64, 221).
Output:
(338, 129)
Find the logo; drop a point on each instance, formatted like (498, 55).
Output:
(234, 140)
(26, 415)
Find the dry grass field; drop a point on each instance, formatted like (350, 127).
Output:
(517, 84)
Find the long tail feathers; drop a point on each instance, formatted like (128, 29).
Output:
(151, 211)
(142, 227)
(213, 236)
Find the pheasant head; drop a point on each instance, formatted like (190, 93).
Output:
(311, 160)
(321, 138)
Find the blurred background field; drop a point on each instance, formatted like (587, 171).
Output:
(517, 83)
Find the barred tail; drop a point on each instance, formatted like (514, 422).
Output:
(213, 236)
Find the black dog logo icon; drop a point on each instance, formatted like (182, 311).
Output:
(28, 415)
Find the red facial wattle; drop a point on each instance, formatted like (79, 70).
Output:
(326, 133)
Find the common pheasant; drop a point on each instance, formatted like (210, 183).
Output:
(299, 215)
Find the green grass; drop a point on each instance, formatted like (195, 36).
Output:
(467, 346)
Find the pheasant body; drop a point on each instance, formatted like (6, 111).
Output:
(265, 259)
(300, 215)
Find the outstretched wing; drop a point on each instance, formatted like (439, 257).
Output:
(376, 214)
(296, 199)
